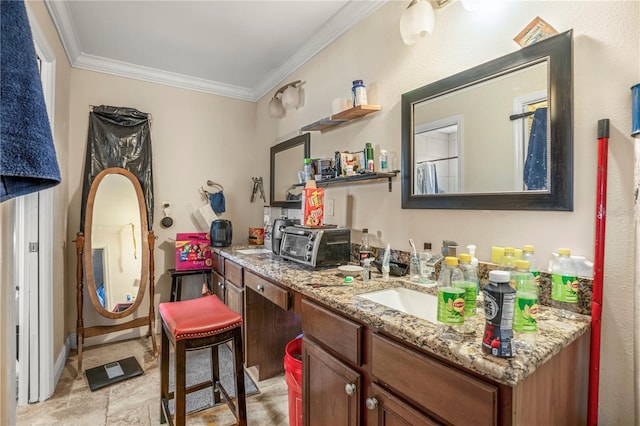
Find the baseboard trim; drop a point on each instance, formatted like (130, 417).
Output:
(62, 358)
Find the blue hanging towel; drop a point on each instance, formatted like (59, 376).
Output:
(217, 202)
(28, 160)
(535, 166)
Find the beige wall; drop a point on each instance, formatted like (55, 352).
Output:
(228, 141)
(606, 64)
(195, 137)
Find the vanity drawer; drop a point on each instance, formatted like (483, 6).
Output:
(217, 263)
(233, 272)
(452, 395)
(334, 331)
(268, 290)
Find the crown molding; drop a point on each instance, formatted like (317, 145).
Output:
(352, 13)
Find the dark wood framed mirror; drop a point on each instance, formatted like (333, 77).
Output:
(498, 136)
(286, 161)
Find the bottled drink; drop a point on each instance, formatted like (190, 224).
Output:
(470, 286)
(525, 317)
(359, 93)
(414, 268)
(451, 299)
(499, 301)
(528, 253)
(564, 284)
(508, 262)
(365, 250)
(366, 269)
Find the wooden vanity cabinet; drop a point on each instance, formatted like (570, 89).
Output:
(386, 409)
(233, 286)
(332, 363)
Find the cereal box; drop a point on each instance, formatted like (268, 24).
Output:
(312, 205)
(193, 251)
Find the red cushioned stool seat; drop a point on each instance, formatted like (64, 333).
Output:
(196, 324)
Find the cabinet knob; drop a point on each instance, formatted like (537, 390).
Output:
(372, 403)
(219, 283)
(259, 287)
(350, 389)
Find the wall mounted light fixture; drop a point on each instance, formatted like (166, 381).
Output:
(289, 96)
(418, 19)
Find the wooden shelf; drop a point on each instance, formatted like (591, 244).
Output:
(341, 117)
(356, 178)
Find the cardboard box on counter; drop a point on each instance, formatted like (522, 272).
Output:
(312, 204)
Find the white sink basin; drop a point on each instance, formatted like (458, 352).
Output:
(411, 302)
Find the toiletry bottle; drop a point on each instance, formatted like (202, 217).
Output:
(472, 252)
(384, 161)
(366, 269)
(470, 286)
(499, 302)
(368, 152)
(359, 93)
(414, 268)
(508, 262)
(528, 253)
(525, 316)
(386, 259)
(451, 304)
(564, 284)
(307, 169)
(365, 250)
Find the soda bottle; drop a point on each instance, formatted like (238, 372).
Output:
(564, 284)
(451, 299)
(525, 316)
(470, 286)
(499, 302)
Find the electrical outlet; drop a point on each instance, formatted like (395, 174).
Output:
(328, 207)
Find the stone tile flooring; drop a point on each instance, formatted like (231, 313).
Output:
(137, 401)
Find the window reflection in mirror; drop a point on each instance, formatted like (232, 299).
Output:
(116, 243)
(482, 137)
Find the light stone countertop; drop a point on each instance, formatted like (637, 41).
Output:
(554, 333)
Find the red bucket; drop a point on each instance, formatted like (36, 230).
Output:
(293, 377)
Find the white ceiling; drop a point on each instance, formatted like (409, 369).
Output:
(240, 49)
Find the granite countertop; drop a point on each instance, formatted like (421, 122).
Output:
(554, 333)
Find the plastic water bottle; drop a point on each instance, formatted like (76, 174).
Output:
(525, 316)
(528, 253)
(499, 302)
(414, 268)
(359, 93)
(366, 269)
(451, 299)
(471, 288)
(508, 262)
(564, 284)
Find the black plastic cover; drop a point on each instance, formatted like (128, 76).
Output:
(119, 137)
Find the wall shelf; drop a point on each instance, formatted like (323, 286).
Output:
(356, 178)
(341, 117)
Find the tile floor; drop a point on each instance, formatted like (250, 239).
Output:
(137, 401)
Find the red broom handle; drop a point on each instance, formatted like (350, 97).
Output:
(598, 266)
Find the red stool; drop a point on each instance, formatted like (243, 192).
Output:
(197, 324)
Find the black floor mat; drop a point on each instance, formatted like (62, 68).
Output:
(113, 372)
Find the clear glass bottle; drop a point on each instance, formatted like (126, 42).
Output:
(525, 316)
(508, 262)
(471, 288)
(365, 250)
(528, 253)
(451, 300)
(564, 284)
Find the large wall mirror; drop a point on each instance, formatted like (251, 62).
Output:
(497, 136)
(286, 161)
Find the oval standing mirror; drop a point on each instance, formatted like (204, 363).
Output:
(495, 137)
(116, 254)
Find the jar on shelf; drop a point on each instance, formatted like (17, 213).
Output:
(359, 93)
